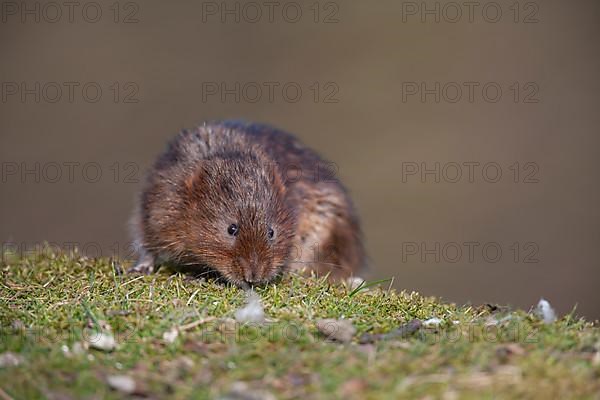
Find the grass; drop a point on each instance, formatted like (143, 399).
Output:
(53, 305)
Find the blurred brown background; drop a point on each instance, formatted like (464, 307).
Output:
(367, 73)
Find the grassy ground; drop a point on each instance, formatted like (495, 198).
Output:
(176, 337)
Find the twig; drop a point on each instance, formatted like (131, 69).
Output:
(195, 323)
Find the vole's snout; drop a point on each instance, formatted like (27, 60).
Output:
(250, 270)
(250, 275)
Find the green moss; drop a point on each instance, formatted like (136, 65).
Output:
(50, 303)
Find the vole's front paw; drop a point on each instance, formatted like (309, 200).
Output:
(144, 265)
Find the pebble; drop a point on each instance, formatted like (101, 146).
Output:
(9, 359)
(340, 330)
(122, 383)
(102, 341)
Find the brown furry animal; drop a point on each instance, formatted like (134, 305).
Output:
(248, 202)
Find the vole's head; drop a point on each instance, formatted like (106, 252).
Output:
(237, 219)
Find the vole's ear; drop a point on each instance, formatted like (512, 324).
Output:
(277, 179)
(196, 178)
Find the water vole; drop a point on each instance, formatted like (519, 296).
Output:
(247, 202)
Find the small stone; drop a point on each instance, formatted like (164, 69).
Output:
(121, 383)
(102, 341)
(9, 359)
(355, 282)
(432, 322)
(170, 335)
(340, 330)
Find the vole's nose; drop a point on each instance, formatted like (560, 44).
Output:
(250, 269)
(250, 274)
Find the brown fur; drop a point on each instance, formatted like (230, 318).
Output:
(258, 178)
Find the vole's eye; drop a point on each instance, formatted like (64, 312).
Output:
(270, 233)
(233, 230)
